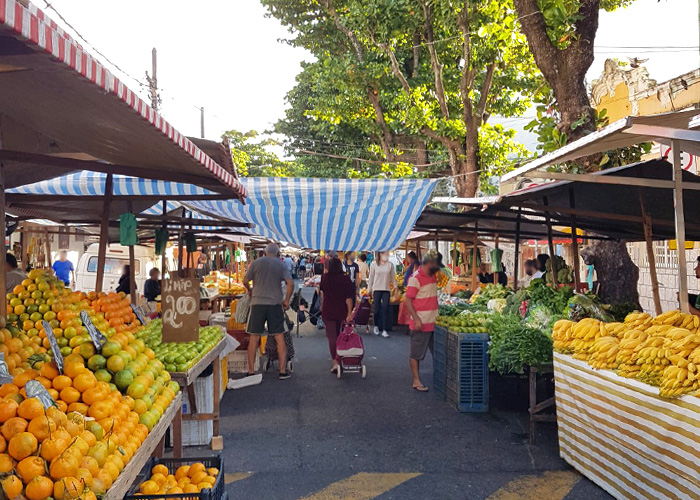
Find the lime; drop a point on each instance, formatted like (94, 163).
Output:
(110, 348)
(103, 375)
(122, 379)
(96, 362)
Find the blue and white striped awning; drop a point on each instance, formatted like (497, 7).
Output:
(328, 214)
(171, 206)
(85, 183)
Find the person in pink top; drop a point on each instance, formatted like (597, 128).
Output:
(422, 306)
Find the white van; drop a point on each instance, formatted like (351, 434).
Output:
(117, 257)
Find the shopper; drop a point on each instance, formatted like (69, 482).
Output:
(337, 295)
(364, 270)
(124, 284)
(541, 266)
(64, 268)
(203, 268)
(352, 269)
(289, 262)
(411, 265)
(151, 288)
(422, 305)
(318, 266)
(381, 277)
(13, 275)
(268, 305)
(530, 267)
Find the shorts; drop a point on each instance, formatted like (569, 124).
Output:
(420, 343)
(262, 314)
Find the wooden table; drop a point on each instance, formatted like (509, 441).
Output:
(152, 445)
(537, 409)
(186, 381)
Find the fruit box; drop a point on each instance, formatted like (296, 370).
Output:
(218, 492)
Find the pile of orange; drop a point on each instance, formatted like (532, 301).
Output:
(187, 479)
(116, 309)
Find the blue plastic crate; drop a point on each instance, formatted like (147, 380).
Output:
(439, 360)
(467, 376)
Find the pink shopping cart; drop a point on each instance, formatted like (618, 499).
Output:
(351, 351)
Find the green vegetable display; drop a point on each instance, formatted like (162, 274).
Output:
(515, 345)
(492, 292)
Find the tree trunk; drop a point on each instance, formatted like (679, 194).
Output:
(472, 161)
(617, 274)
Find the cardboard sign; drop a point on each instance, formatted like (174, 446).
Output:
(55, 349)
(138, 311)
(34, 389)
(97, 337)
(180, 309)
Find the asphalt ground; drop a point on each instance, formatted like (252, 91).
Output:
(316, 437)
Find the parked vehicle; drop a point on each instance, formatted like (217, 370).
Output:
(117, 257)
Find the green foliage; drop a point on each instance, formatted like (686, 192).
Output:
(252, 156)
(501, 152)
(354, 42)
(514, 345)
(561, 17)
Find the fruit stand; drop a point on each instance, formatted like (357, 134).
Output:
(613, 430)
(186, 381)
(151, 445)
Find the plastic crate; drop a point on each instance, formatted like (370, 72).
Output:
(218, 492)
(199, 432)
(439, 360)
(467, 371)
(238, 362)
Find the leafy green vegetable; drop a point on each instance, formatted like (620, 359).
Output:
(515, 345)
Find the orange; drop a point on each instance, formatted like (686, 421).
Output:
(67, 488)
(92, 396)
(194, 468)
(213, 471)
(3, 444)
(21, 379)
(22, 445)
(84, 476)
(7, 389)
(85, 381)
(74, 369)
(6, 463)
(45, 382)
(53, 447)
(61, 382)
(198, 476)
(101, 410)
(49, 370)
(64, 466)
(30, 408)
(12, 485)
(203, 486)
(41, 427)
(149, 487)
(30, 467)
(13, 426)
(81, 408)
(90, 464)
(190, 488)
(70, 395)
(39, 488)
(62, 405)
(8, 409)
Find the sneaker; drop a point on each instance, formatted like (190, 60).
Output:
(376, 330)
(385, 335)
(285, 376)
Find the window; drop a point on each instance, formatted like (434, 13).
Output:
(112, 265)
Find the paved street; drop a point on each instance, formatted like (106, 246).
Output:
(316, 437)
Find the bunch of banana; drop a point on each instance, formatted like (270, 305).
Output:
(562, 336)
(604, 353)
(678, 319)
(584, 334)
(638, 321)
(616, 329)
(658, 330)
(677, 381)
(627, 353)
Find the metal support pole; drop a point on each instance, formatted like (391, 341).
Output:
(574, 241)
(680, 225)
(104, 235)
(165, 250)
(516, 263)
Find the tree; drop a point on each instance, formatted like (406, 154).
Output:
(561, 35)
(254, 159)
(428, 73)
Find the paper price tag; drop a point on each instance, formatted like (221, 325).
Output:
(34, 389)
(55, 349)
(97, 337)
(139, 314)
(5, 377)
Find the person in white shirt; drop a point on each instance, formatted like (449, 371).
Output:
(530, 266)
(381, 276)
(541, 266)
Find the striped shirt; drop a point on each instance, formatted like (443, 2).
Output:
(423, 290)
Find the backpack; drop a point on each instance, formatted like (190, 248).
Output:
(349, 343)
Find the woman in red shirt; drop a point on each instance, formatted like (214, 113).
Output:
(337, 292)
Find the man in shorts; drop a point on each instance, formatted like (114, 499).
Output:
(422, 306)
(268, 304)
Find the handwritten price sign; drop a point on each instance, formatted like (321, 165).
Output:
(180, 308)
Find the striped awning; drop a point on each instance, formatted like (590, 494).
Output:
(327, 214)
(171, 206)
(86, 183)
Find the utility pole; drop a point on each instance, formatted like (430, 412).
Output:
(201, 121)
(153, 81)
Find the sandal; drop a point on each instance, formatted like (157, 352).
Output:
(421, 388)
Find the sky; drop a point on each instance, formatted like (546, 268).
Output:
(224, 55)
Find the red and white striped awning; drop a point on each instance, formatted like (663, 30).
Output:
(51, 85)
